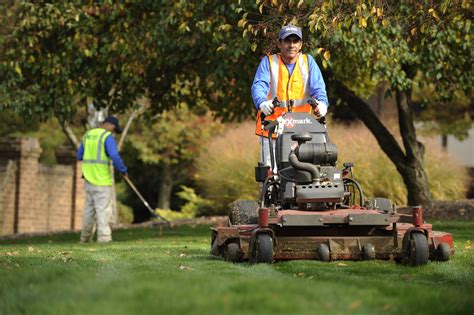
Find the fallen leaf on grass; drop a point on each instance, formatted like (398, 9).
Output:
(182, 255)
(15, 253)
(67, 259)
(92, 249)
(31, 249)
(182, 267)
(342, 265)
(354, 305)
(468, 245)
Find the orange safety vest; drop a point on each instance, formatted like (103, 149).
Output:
(285, 88)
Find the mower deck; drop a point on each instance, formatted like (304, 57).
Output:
(353, 234)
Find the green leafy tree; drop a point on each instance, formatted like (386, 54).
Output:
(407, 45)
(171, 143)
(61, 54)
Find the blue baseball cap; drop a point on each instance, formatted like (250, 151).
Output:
(288, 30)
(114, 121)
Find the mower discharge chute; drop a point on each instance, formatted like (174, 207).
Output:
(309, 209)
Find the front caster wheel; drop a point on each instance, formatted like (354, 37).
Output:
(368, 252)
(443, 252)
(418, 251)
(232, 252)
(323, 253)
(263, 252)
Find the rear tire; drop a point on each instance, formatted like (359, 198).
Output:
(264, 249)
(418, 251)
(242, 212)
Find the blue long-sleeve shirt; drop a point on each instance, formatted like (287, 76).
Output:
(261, 82)
(111, 151)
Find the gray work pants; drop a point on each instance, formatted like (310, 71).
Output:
(98, 209)
(265, 152)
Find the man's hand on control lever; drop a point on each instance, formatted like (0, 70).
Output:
(267, 107)
(320, 109)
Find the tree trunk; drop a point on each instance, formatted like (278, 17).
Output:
(409, 165)
(165, 188)
(413, 171)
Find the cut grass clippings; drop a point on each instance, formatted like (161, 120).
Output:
(142, 272)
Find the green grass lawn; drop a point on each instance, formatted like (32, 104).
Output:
(142, 272)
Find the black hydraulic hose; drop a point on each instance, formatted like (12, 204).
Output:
(272, 157)
(297, 164)
(359, 188)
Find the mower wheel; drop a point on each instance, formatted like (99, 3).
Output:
(232, 252)
(264, 249)
(324, 253)
(368, 252)
(215, 249)
(243, 212)
(418, 251)
(443, 252)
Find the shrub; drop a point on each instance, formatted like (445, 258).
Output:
(378, 175)
(194, 206)
(225, 169)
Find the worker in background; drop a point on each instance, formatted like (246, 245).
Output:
(98, 148)
(288, 75)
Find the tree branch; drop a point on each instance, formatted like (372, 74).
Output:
(363, 111)
(135, 113)
(71, 136)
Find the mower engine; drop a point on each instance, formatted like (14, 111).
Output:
(306, 174)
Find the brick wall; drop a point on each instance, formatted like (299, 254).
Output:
(38, 198)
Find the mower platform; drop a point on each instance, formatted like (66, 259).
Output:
(354, 234)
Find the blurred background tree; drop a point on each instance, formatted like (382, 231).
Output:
(57, 58)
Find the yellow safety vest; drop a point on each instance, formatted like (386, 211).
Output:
(95, 162)
(287, 88)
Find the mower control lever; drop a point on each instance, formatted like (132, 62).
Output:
(276, 103)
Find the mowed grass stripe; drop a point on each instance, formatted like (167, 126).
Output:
(142, 272)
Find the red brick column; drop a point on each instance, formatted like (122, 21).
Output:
(29, 217)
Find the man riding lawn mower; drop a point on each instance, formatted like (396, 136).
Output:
(309, 209)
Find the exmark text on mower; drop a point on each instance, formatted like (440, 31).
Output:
(309, 209)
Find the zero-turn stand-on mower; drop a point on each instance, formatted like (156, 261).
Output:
(309, 209)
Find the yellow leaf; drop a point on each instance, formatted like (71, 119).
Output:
(433, 13)
(379, 12)
(355, 304)
(17, 69)
(384, 23)
(363, 22)
(413, 31)
(31, 59)
(260, 8)
(320, 50)
(253, 47)
(327, 55)
(275, 2)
